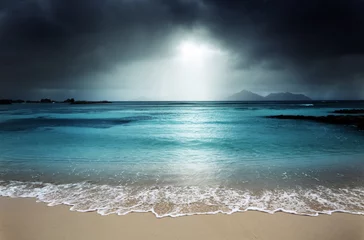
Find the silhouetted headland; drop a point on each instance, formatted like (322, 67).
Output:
(69, 100)
(48, 100)
(5, 101)
(357, 121)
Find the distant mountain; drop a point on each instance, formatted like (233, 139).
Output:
(245, 96)
(250, 96)
(287, 96)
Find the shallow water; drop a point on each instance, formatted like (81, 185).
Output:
(182, 158)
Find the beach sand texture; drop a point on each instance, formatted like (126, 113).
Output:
(25, 219)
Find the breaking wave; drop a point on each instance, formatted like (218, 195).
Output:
(177, 201)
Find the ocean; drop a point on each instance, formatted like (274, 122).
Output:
(182, 158)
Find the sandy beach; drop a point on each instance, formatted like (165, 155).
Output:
(25, 219)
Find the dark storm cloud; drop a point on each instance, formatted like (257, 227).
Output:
(320, 42)
(60, 44)
(299, 30)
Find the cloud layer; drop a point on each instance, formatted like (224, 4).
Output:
(312, 46)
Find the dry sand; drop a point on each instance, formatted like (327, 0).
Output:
(24, 219)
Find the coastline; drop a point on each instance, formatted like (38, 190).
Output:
(24, 218)
(174, 201)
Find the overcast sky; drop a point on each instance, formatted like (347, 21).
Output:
(180, 49)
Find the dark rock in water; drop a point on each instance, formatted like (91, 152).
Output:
(69, 100)
(357, 121)
(5, 101)
(46, 100)
(18, 101)
(90, 102)
(349, 111)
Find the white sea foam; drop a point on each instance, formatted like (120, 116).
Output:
(177, 201)
(307, 105)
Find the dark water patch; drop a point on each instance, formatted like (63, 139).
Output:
(90, 102)
(357, 121)
(45, 122)
(162, 113)
(30, 110)
(349, 111)
(246, 108)
(22, 113)
(181, 103)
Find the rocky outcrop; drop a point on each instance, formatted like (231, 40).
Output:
(351, 120)
(5, 101)
(69, 100)
(10, 101)
(46, 100)
(18, 101)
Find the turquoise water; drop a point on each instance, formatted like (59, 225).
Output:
(182, 158)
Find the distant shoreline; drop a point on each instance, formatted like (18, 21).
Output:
(10, 101)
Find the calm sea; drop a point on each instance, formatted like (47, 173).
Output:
(182, 158)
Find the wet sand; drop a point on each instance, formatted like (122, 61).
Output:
(25, 219)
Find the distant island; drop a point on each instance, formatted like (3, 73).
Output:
(47, 100)
(245, 95)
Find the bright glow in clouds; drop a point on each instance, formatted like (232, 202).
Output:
(191, 51)
(195, 64)
(194, 72)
